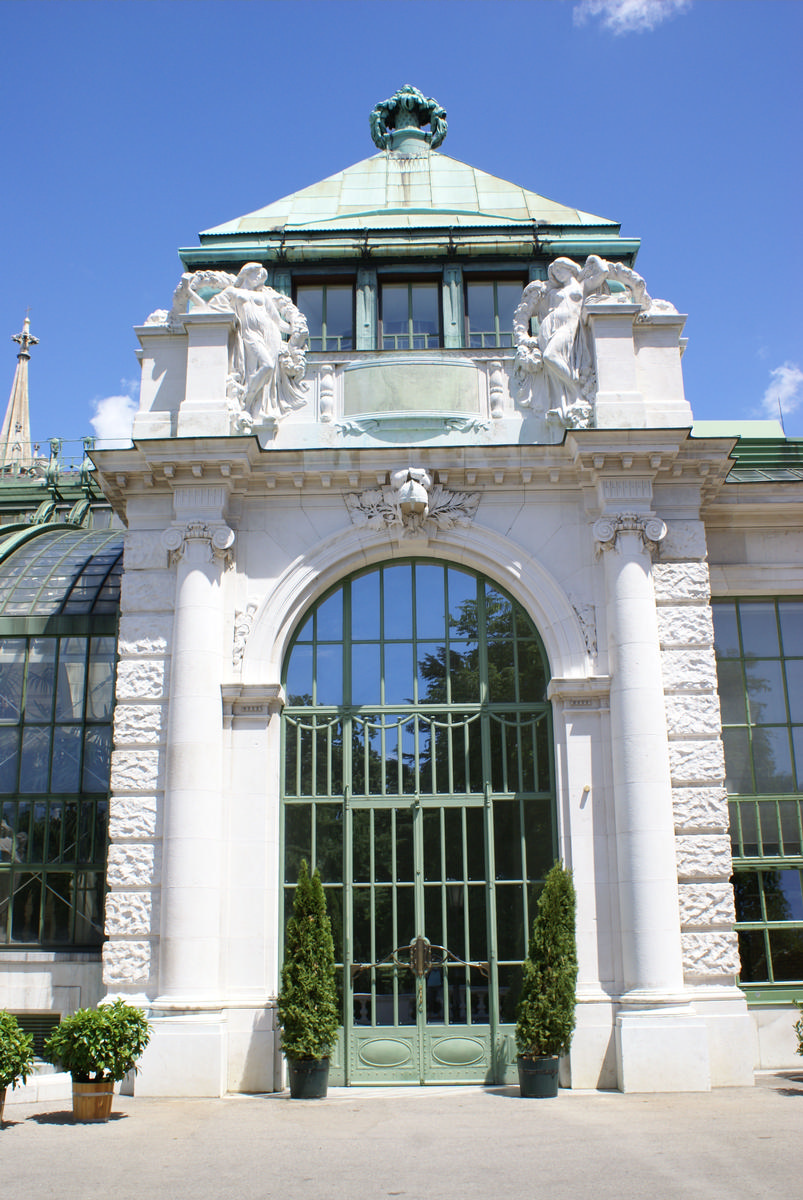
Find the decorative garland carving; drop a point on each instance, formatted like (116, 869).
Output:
(412, 504)
(243, 624)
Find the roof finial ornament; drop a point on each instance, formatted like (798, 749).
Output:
(26, 338)
(408, 110)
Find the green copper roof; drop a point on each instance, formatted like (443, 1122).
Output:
(392, 190)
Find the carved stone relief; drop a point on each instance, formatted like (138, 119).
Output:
(413, 504)
(243, 624)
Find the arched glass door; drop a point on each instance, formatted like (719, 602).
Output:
(417, 776)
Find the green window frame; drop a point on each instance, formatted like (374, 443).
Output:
(410, 314)
(490, 304)
(329, 309)
(759, 651)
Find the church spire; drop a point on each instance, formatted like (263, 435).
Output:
(16, 451)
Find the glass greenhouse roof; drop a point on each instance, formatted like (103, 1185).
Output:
(62, 572)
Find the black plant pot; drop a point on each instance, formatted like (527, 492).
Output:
(309, 1078)
(538, 1077)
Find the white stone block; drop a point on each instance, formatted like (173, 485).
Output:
(706, 905)
(143, 550)
(684, 540)
(129, 914)
(697, 761)
(689, 670)
(131, 866)
(710, 954)
(700, 808)
(135, 770)
(680, 581)
(139, 634)
(662, 1053)
(186, 1056)
(140, 724)
(141, 679)
(704, 856)
(133, 817)
(148, 591)
(688, 715)
(685, 625)
(126, 962)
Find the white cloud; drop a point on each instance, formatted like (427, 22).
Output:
(113, 419)
(629, 16)
(785, 390)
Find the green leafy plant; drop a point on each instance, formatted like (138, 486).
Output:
(308, 1008)
(99, 1043)
(545, 1013)
(16, 1052)
(799, 1028)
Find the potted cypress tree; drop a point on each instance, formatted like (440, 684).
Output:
(16, 1055)
(308, 1007)
(98, 1046)
(545, 1013)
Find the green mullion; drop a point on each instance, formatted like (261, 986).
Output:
(394, 910)
(348, 915)
(444, 915)
(466, 922)
(490, 893)
(372, 907)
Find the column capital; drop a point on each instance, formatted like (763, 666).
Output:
(607, 529)
(214, 540)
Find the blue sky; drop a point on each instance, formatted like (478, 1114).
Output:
(129, 126)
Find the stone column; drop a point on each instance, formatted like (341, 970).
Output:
(660, 1047)
(193, 823)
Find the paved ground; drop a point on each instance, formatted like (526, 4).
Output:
(420, 1144)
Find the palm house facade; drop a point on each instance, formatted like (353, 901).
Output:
(419, 569)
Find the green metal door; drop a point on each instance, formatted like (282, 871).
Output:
(418, 779)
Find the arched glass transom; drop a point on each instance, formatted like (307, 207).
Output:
(418, 778)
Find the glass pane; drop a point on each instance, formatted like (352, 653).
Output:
(726, 634)
(794, 684)
(765, 692)
(783, 900)
(54, 824)
(786, 950)
(731, 692)
(310, 301)
(395, 308)
(35, 759)
(398, 673)
(748, 818)
(790, 826)
(462, 605)
(475, 840)
(329, 842)
(770, 839)
(41, 679)
(299, 676)
(100, 689)
(97, 756)
(453, 843)
(753, 955)
(738, 776)
(329, 674)
(25, 908)
(759, 630)
(329, 619)
(383, 850)
(531, 672)
(538, 834)
(510, 921)
(502, 676)
(507, 840)
(365, 674)
(480, 308)
(361, 845)
(772, 760)
(365, 607)
(432, 843)
(404, 844)
(12, 667)
(339, 317)
(398, 601)
(797, 739)
(66, 775)
(431, 672)
(464, 678)
(508, 297)
(297, 839)
(9, 741)
(71, 674)
(791, 617)
(430, 601)
(424, 301)
(746, 896)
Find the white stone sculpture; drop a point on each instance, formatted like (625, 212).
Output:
(556, 365)
(413, 504)
(268, 353)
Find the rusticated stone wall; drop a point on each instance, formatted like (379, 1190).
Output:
(682, 591)
(130, 956)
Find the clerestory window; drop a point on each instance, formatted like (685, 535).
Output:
(410, 316)
(490, 305)
(329, 309)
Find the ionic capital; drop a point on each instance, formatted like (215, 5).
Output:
(651, 530)
(210, 542)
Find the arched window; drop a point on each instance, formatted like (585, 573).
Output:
(418, 778)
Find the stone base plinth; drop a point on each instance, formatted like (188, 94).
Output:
(662, 1051)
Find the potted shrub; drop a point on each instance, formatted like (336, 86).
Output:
(16, 1055)
(98, 1046)
(545, 1013)
(308, 1007)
